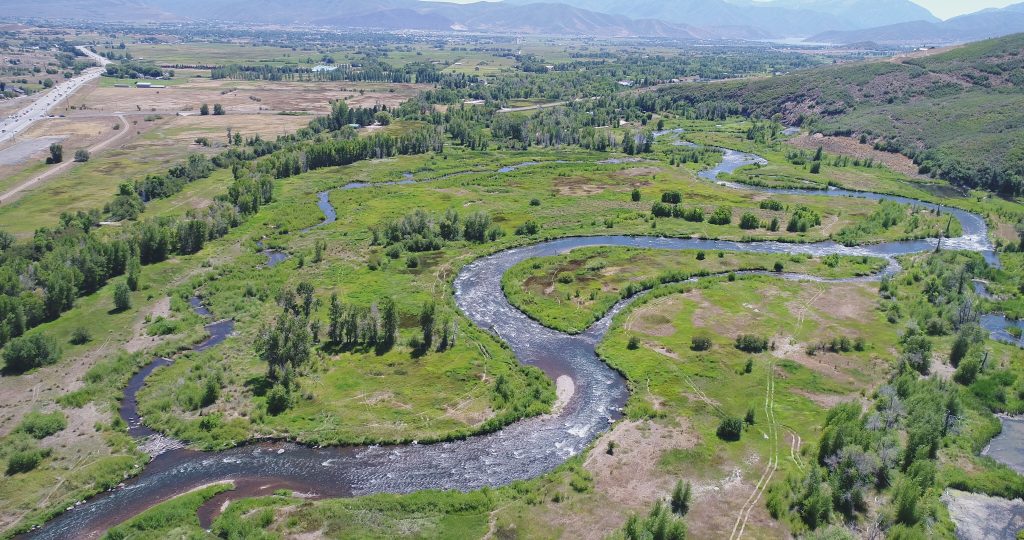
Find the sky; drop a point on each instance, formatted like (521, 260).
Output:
(943, 9)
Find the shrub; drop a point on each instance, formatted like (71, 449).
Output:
(29, 352)
(967, 372)
(534, 202)
(959, 350)
(24, 461)
(749, 222)
(722, 216)
(694, 215)
(634, 343)
(730, 429)
(700, 343)
(816, 167)
(661, 210)
(277, 400)
(41, 425)
(80, 336)
(772, 204)
(635, 195)
(751, 343)
(529, 228)
(779, 267)
(671, 197)
(81, 155)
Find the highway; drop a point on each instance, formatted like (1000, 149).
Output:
(18, 122)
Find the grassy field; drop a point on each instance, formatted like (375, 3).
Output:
(570, 292)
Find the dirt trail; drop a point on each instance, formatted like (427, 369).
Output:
(773, 458)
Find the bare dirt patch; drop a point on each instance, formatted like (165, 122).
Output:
(247, 97)
(655, 318)
(140, 339)
(636, 172)
(825, 401)
(628, 481)
(81, 428)
(577, 186)
(827, 364)
(848, 146)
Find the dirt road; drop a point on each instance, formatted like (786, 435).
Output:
(15, 193)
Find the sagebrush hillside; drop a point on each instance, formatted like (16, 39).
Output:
(955, 113)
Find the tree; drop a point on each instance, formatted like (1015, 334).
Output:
(428, 316)
(388, 323)
(335, 318)
(284, 346)
(81, 155)
(56, 154)
(383, 118)
(681, 498)
(815, 502)
(816, 167)
(218, 109)
(635, 195)
(305, 291)
(204, 110)
(133, 269)
(122, 297)
(730, 429)
(476, 227)
(318, 250)
(29, 352)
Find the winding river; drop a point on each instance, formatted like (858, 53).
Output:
(523, 450)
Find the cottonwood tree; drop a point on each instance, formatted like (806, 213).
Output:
(284, 346)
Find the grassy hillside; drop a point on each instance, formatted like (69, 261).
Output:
(956, 113)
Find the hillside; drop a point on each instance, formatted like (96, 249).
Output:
(955, 112)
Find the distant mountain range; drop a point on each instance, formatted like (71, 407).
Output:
(836, 21)
(984, 24)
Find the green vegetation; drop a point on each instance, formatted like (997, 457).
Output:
(336, 344)
(572, 291)
(174, 517)
(977, 86)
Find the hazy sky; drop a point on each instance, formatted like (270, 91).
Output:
(944, 9)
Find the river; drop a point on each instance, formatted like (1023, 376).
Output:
(524, 450)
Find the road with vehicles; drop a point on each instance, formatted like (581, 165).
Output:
(17, 123)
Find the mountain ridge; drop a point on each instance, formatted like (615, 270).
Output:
(833, 21)
(984, 24)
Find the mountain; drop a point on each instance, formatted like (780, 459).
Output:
(865, 13)
(984, 24)
(833, 21)
(780, 18)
